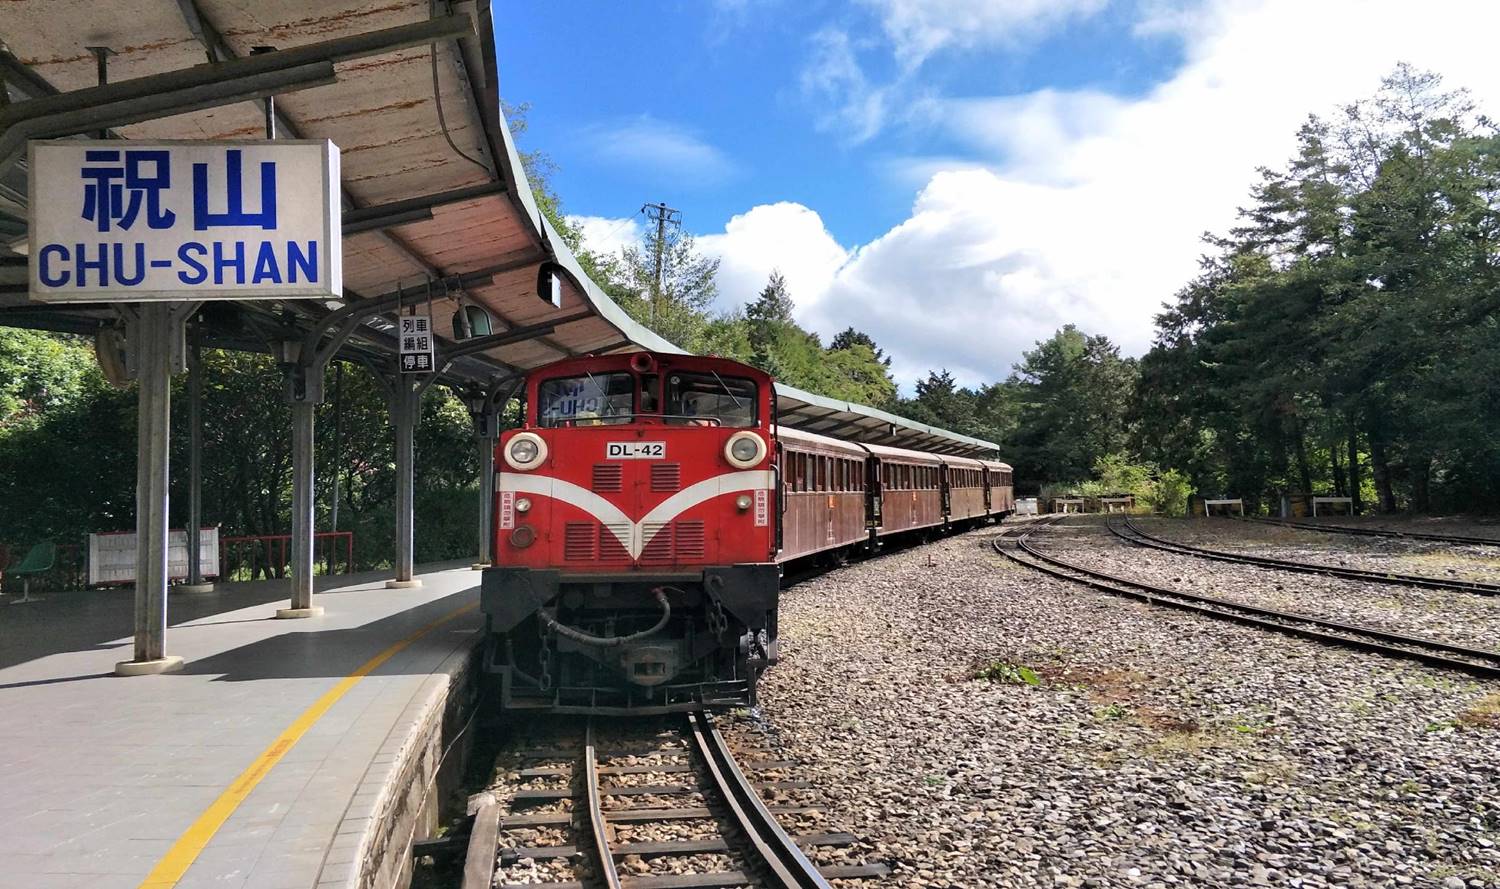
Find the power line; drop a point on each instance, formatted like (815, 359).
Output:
(663, 216)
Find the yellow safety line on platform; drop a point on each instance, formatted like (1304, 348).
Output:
(185, 851)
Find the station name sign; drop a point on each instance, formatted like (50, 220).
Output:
(126, 221)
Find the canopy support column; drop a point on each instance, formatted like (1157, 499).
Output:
(303, 367)
(406, 408)
(486, 490)
(304, 529)
(484, 409)
(195, 582)
(155, 337)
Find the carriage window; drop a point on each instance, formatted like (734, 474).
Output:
(799, 472)
(602, 399)
(708, 399)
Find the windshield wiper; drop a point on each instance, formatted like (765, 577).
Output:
(725, 387)
(605, 408)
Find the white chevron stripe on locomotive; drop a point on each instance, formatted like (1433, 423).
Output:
(611, 517)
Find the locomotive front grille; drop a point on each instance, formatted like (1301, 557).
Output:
(666, 476)
(611, 550)
(689, 540)
(670, 542)
(607, 477)
(579, 542)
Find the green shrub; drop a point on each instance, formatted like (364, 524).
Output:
(1008, 673)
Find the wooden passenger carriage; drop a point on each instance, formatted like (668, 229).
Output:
(824, 494)
(909, 489)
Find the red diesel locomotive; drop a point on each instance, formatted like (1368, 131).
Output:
(643, 511)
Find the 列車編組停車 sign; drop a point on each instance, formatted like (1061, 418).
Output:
(130, 221)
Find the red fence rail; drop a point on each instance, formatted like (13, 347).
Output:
(258, 556)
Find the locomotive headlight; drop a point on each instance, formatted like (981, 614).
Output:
(526, 451)
(522, 504)
(742, 502)
(745, 449)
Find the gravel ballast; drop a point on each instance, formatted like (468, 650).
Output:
(1453, 616)
(1154, 749)
(1442, 561)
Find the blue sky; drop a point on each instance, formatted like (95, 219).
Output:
(958, 178)
(726, 80)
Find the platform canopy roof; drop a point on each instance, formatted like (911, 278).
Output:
(437, 210)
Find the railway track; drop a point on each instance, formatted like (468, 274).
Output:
(1433, 652)
(721, 808)
(1455, 539)
(1142, 538)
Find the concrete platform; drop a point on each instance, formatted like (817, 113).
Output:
(284, 753)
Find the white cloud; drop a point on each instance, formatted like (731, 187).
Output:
(785, 236)
(1091, 206)
(646, 144)
(919, 28)
(855, 108)
(609, 236)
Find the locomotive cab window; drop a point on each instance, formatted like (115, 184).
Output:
(708, 399)
(602, 399)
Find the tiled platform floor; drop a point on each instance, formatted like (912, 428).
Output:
(100, 775)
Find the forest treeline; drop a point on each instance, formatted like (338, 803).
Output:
(1340, 340)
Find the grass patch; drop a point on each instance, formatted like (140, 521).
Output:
(1007, 673)
(1484, 714)
(1174, 744)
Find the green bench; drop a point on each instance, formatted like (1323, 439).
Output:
(39, 560)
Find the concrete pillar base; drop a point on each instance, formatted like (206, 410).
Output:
(168, 664)
(479, 566)
(193, 588)
(294, 613)
(402, 584)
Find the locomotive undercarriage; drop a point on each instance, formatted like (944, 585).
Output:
(627, 644)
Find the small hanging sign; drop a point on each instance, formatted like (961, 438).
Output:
(416, 344)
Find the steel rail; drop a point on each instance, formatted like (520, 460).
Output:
(1468, 586)
(777, 852)
(1486, 663)
(595, 814)
(1375, 532)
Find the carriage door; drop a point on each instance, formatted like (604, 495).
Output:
(872, 492)
(780, 469)
(947, 496)
(984, 476)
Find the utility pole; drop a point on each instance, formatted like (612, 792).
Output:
(662, 215)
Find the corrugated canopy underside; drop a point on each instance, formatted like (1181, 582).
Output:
(383, 113)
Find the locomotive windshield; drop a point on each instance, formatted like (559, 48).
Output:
(708, 399)
(602, 399)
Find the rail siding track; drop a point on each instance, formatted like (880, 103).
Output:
(773, 858)
(1145, 539)
(1433, 652)
(1457, 539)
